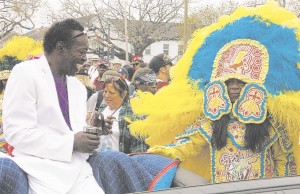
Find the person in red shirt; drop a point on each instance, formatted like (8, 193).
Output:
(101, 68)
(161, 65)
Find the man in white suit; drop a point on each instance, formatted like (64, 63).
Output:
(44, 114)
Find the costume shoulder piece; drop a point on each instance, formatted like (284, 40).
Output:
(259, 46)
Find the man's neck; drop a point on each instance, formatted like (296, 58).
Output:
(60, 76)
(162, 77)
(54, 65)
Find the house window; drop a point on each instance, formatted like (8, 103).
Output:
(148, 51)
(180, 50)
(166, 49)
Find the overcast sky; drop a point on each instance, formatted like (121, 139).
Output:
(41, 20)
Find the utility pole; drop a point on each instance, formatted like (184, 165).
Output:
(283, 4)
(126, 34)
(108, 41)
(185, 23)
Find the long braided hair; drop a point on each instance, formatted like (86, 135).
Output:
(255, 136)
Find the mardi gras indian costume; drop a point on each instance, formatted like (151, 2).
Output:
(259, 46)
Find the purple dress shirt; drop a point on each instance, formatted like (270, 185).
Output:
(62, 93)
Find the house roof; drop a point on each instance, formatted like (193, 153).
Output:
(37, 34)
(164, 31)
(86, 19)
(4, 40)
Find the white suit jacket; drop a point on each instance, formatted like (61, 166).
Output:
(35, 126)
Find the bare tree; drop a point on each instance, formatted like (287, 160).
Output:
(210, 14)
(71, 9)
(16, 14)
(148, 21)
(294, 5)
(282, 3)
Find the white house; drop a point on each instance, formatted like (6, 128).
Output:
(169, 42)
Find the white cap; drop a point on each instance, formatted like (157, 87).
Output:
(95, 58)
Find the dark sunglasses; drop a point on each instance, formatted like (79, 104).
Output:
(114, 78)
(149, 84)
(102, 66)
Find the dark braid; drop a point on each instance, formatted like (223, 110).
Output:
(219, 135)
(256, 135)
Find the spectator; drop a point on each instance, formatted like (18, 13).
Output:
(93, 73)
(44, 115)
(138, 64)
(116, 66)
(101, 68)
(86, 66)
(161, 65)
(123, 73)
(130, 71)
(83, 77)
(145, 81)
(91, 103)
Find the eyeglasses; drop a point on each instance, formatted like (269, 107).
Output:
(149, 84)
(77, 35)
(102, 66)
(113, 78)
(169, 63)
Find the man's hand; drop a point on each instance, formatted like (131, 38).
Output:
(94, 119)
(85, 142)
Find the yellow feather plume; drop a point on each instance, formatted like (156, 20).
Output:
(285, 109)
(22, 47)
(169, 112)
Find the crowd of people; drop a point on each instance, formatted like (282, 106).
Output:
(227, 111)
(138, 75)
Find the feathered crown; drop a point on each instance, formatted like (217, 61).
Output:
(259, 46)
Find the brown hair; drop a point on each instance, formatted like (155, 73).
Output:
(119, 85)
